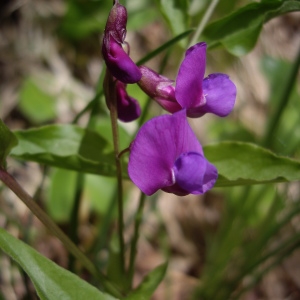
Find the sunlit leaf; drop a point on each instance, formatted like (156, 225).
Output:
(245, 164)
(7, 141)
(239, 31)
(51, 281)
(145, 290)
(66, 146)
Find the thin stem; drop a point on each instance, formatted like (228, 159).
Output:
(111, 99)
(203, 22)
(133, 249)
(13, 185)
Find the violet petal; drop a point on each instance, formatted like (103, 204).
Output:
(210, 177)
(188, 89)
(157, 145)
(220, 94)
(189, 169)
(128, 107)
(116, 23)
(119, 63)
(194, 174)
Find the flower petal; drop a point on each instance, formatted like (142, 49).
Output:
(194, 174)
(210, 177)
(116, 23)
(189, 170)
(159, 88)
(188, 89)
(118, 62)
(156, 147)
(220, 94)
(128, 107)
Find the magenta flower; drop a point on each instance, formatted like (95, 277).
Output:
(167, 155)
(128, 107)
(117, 60)
(214, 94)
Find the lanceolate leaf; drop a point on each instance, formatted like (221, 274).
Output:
(51, 281)
(145, 290)
(68, 147)
(239, 31)
(7, 142)
(246, 164)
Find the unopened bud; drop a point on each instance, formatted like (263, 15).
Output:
(160, 88)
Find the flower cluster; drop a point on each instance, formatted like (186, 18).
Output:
(166, 153)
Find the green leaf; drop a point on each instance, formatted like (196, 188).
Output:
(61, 194)
(7, 141)
(245, 164)
(140, 16)
(114, 268)
(145, 290)
(175, 13)
(83, 18)
(66, 146)
(99, 191)
(239, 31)
(51, 281)
(35, 103)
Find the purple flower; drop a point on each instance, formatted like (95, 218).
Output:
(159, 88)
(167, 155)
(128, 107)
(214, 94)
(117, 60)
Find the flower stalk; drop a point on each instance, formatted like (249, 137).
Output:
(111, 99)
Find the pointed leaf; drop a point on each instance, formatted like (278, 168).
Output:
(145, 290)
(66, 146)
(51, 281)
(7, 141)
(246, 164)
(239, 31)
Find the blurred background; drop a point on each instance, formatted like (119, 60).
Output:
(231, 243)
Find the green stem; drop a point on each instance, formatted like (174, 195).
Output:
(288, 84)
(14, 186)
(110, 95)
(203, 22)
(133, 249)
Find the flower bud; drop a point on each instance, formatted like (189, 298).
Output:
(159, 88)
(116, 23)
(117, 60)
(128, 108)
